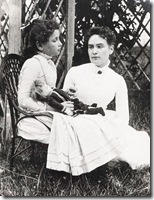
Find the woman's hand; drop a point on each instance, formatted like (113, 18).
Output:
(68, 107)
(72, 92)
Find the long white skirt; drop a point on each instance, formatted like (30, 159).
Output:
(80, 144)
(32, 129)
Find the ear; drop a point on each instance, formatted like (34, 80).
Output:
(39, 46)
(111, 49)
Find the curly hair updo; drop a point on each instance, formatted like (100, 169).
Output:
(39, 31)
(104, 32)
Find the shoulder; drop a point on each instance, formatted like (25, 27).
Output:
(115, 75)
(117, 79)
(31, 64)
(31, 61)
(79, 69)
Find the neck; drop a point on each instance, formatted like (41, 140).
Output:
(104, 64)
(45, 55)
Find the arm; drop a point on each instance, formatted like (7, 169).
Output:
(122, 109)
(69, 81)
(56, 98)
(60, 101)
(69, 84)
(54, 103)
(29, 73)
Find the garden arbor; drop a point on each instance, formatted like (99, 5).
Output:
(129, 19)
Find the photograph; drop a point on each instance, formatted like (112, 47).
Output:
(75, 98)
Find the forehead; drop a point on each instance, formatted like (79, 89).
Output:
(96, 39)
(56, 33)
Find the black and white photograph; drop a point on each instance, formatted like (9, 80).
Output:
(75, 98)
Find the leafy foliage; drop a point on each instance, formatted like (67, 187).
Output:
(126, 18)
(117, 15)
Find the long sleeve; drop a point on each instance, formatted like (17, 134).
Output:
(29, 73)
(69, 80)
(121, 97)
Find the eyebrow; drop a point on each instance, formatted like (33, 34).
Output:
(56, 37)
(96, 44)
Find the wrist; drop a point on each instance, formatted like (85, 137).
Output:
(63, 109)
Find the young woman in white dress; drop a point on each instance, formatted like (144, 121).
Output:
(96, 82)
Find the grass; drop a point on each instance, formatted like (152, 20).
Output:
(111, 180)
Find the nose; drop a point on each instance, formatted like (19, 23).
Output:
(60, 44)
(94, 51)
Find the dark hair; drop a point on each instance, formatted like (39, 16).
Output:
(39, 31)
(104, 32)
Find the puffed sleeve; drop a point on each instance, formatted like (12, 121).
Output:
(29, 73)
(122, 108)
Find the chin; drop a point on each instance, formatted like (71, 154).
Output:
(97, 63)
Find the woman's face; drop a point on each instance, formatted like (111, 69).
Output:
(99, 50)
(53, 46)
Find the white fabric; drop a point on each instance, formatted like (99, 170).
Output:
(32, 129)
(99, 88)
(36, 68)
(41, 68)
(80, 144)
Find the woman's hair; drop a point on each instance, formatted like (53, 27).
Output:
(39, 31)
(104, 32)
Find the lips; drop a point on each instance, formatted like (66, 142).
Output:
(95, 57)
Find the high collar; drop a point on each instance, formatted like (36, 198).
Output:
(101, 70)
(45, 56)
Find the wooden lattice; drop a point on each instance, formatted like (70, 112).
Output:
(48, 10)
(129, 19)
(4, 35)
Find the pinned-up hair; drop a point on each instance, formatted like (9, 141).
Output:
(104, 32)
(38, 30)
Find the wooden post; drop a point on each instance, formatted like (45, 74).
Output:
(14, 26)
(70, 32)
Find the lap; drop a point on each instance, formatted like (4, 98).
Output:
(33, 129)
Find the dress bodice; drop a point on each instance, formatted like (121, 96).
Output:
(93, 87)
(36, 68)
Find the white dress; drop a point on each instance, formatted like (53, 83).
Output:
(80, 144)
(83, 143)
(39, 67)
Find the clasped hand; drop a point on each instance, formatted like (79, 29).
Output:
(68, 107)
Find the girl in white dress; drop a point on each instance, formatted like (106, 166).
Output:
(41, 45)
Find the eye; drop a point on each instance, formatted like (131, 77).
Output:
(90, 46)
(100, 46)
(55, 39)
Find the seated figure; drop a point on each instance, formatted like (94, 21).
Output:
(55, 97)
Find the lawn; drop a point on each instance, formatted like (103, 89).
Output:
(111, 180)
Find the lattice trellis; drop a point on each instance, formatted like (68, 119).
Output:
(135, 55)
(48, 10)
(4, 35)
(129, 19)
